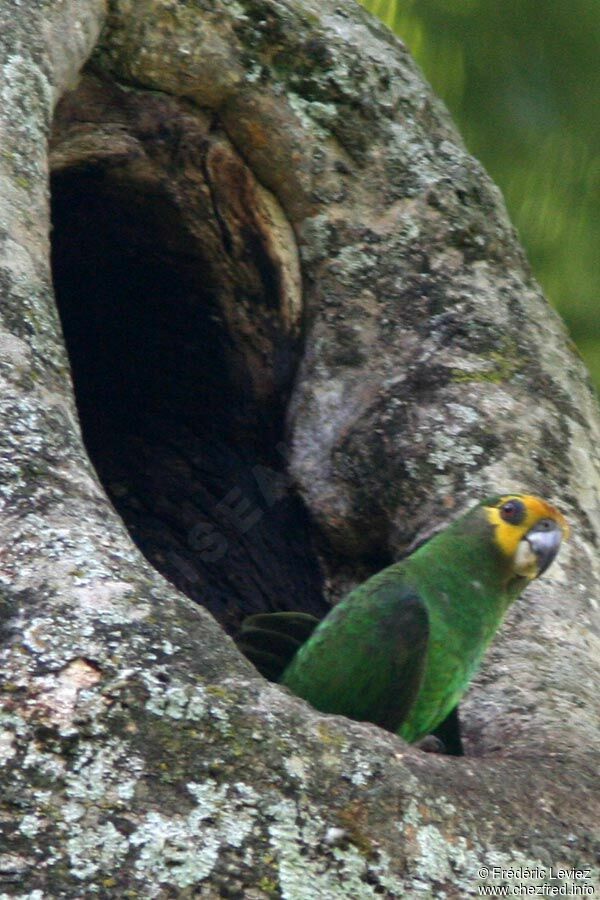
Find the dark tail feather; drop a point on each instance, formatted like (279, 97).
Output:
(270, 640)
(297, 625)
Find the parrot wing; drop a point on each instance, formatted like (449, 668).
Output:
(367, 658)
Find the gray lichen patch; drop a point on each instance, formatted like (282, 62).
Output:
(183, 851)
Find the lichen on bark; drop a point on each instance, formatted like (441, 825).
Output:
(140, 754)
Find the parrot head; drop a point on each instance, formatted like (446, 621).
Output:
(528, 532)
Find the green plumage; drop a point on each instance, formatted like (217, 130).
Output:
(401, 649)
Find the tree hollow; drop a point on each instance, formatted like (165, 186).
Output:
(178, 287)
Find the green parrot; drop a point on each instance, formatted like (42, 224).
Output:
(401, 649)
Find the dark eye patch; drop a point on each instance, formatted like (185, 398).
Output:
(513, 512)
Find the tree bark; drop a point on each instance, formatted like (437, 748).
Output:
(302, 334)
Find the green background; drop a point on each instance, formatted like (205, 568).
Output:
(522, 80)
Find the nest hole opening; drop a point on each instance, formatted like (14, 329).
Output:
(191, 458)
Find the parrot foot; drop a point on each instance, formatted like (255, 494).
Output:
(446, 737)
(431, 744)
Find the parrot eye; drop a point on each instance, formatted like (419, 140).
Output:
(513, 512)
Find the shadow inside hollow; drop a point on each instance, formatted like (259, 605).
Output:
(192, 462)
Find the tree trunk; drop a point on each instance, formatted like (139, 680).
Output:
(302, 334)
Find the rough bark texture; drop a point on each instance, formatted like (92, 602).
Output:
(286, 162)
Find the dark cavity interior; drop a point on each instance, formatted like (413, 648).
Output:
(187, 445)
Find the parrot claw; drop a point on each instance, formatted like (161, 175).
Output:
(431, 744)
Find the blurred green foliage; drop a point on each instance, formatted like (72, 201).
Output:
(522, 80)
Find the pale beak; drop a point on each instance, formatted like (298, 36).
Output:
(544, 540)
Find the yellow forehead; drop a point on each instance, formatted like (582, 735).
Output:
(506, 535)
